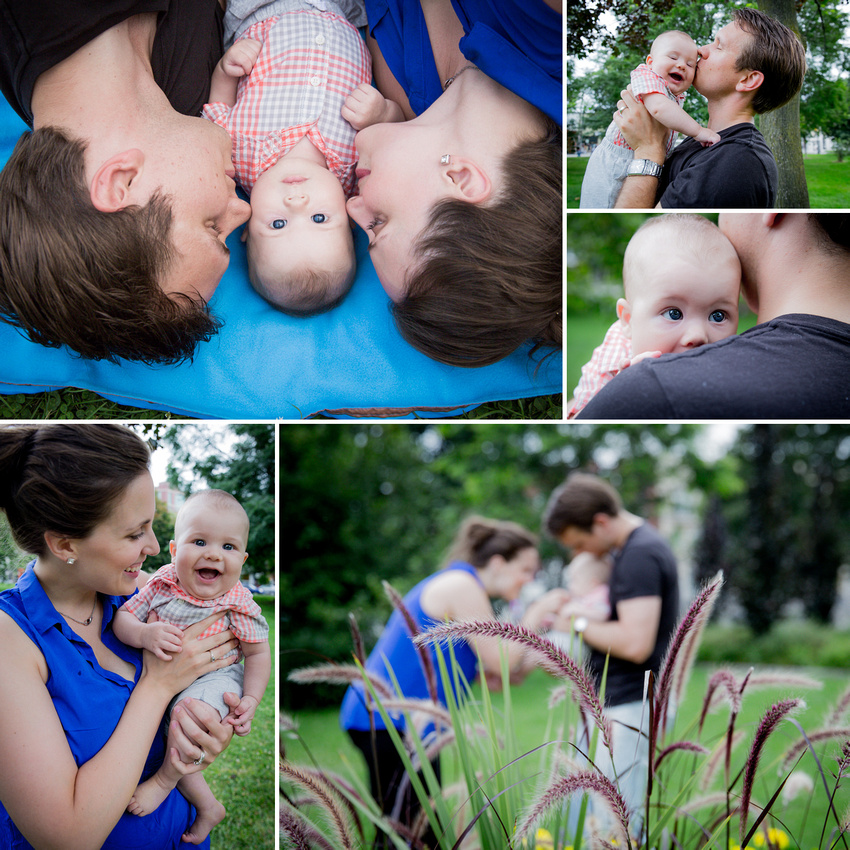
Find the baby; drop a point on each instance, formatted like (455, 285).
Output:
(293, 122)
(208, 550)
(587, 579)
(682, 281)
(660, 85)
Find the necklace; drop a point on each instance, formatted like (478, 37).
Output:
(83, 622)
(450, 80)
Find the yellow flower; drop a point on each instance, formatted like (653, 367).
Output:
(543, 841)
(776, 837)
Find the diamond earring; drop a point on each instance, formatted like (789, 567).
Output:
(446, 158)
(71, 561)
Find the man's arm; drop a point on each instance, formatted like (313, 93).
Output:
(647, 138)
(632, 636)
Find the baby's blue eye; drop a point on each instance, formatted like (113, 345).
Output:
(279, 223)
(717, 316)
(674, 313)
(228, 546)
(319, 218)
(200, 542)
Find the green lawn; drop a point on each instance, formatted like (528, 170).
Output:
(828, 181)
(244, 778)
(330, 747)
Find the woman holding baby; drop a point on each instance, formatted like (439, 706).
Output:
(80, 713)
(462, 203)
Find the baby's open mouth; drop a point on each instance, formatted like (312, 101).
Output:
(676, 76)
(208, 574)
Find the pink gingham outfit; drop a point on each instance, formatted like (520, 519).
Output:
(309, 63)
(603, 365)
(172, 604)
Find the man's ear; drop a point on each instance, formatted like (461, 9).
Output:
(471, 181)
(750, 82)
(111, 187)
(624, 314)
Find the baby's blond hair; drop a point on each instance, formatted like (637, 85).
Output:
(689, 235)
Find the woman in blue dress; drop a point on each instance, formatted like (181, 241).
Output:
(462, 202)
(80, 713)
(489, 559)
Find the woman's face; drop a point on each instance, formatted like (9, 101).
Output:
(399, 181)
(518, 572)
(110, 559)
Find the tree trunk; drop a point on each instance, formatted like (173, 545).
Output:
(781, 128)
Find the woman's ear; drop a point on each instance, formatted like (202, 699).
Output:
(472, 183)
(111, 187)
(60, 546)
(624, 314)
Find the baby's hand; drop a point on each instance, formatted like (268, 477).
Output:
(366, 106)
(162, 639)
(644, 355)
(241, 716)
(707, 137)
(239, 60)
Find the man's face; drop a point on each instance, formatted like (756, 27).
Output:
(579, 540)
(197, 174)
(716, 72)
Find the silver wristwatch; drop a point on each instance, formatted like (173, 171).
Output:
(644, 167)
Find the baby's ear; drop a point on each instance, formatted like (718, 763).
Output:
(624, 314)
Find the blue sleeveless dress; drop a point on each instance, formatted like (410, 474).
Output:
(517, 43)
(89, 701)
(395, 646)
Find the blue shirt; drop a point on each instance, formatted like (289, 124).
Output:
(402, 658)
(517, 43)
(89, 702)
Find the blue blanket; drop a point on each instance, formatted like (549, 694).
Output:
(265, 365)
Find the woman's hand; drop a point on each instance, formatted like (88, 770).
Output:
(541, 613)
(195, 658)
(197, 735)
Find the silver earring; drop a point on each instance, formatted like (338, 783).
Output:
(446, 158)
(71, 561)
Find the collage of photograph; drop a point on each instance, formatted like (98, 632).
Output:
(301, 546)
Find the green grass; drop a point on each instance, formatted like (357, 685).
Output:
(244, 777)
(74, 403)
(828, 180)
(331, 748)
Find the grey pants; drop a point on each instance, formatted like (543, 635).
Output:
(211, 688)
(603, 179)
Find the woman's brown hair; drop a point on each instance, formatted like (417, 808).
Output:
(65, 478)
(489, 277)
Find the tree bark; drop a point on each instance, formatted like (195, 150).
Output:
(781, 128)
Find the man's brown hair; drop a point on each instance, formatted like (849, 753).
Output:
(490, 276)
(577, 501)
(774, 50)
(73, 275)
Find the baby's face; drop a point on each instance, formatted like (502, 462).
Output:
(685, 305)
(209, 549)
(674, 59)
(298, 218)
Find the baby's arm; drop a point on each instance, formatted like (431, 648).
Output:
(157, 637)
(236, 63)
(258, 668)
(366, 106)
(672, 115)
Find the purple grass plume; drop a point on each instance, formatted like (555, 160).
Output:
(679, 746)
(840, 733)
(562, 787)
(340, 674)
(550, 657)
(769, 722)
(297, 834)
(682, 650)
(328, 800)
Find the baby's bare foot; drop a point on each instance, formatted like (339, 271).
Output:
(208, 818)
(149, 795)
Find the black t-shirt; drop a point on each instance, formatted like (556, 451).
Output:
(739, 171)
(35, 35)
(794, 367)
(645, 566)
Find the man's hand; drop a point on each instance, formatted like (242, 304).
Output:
(646, 136)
